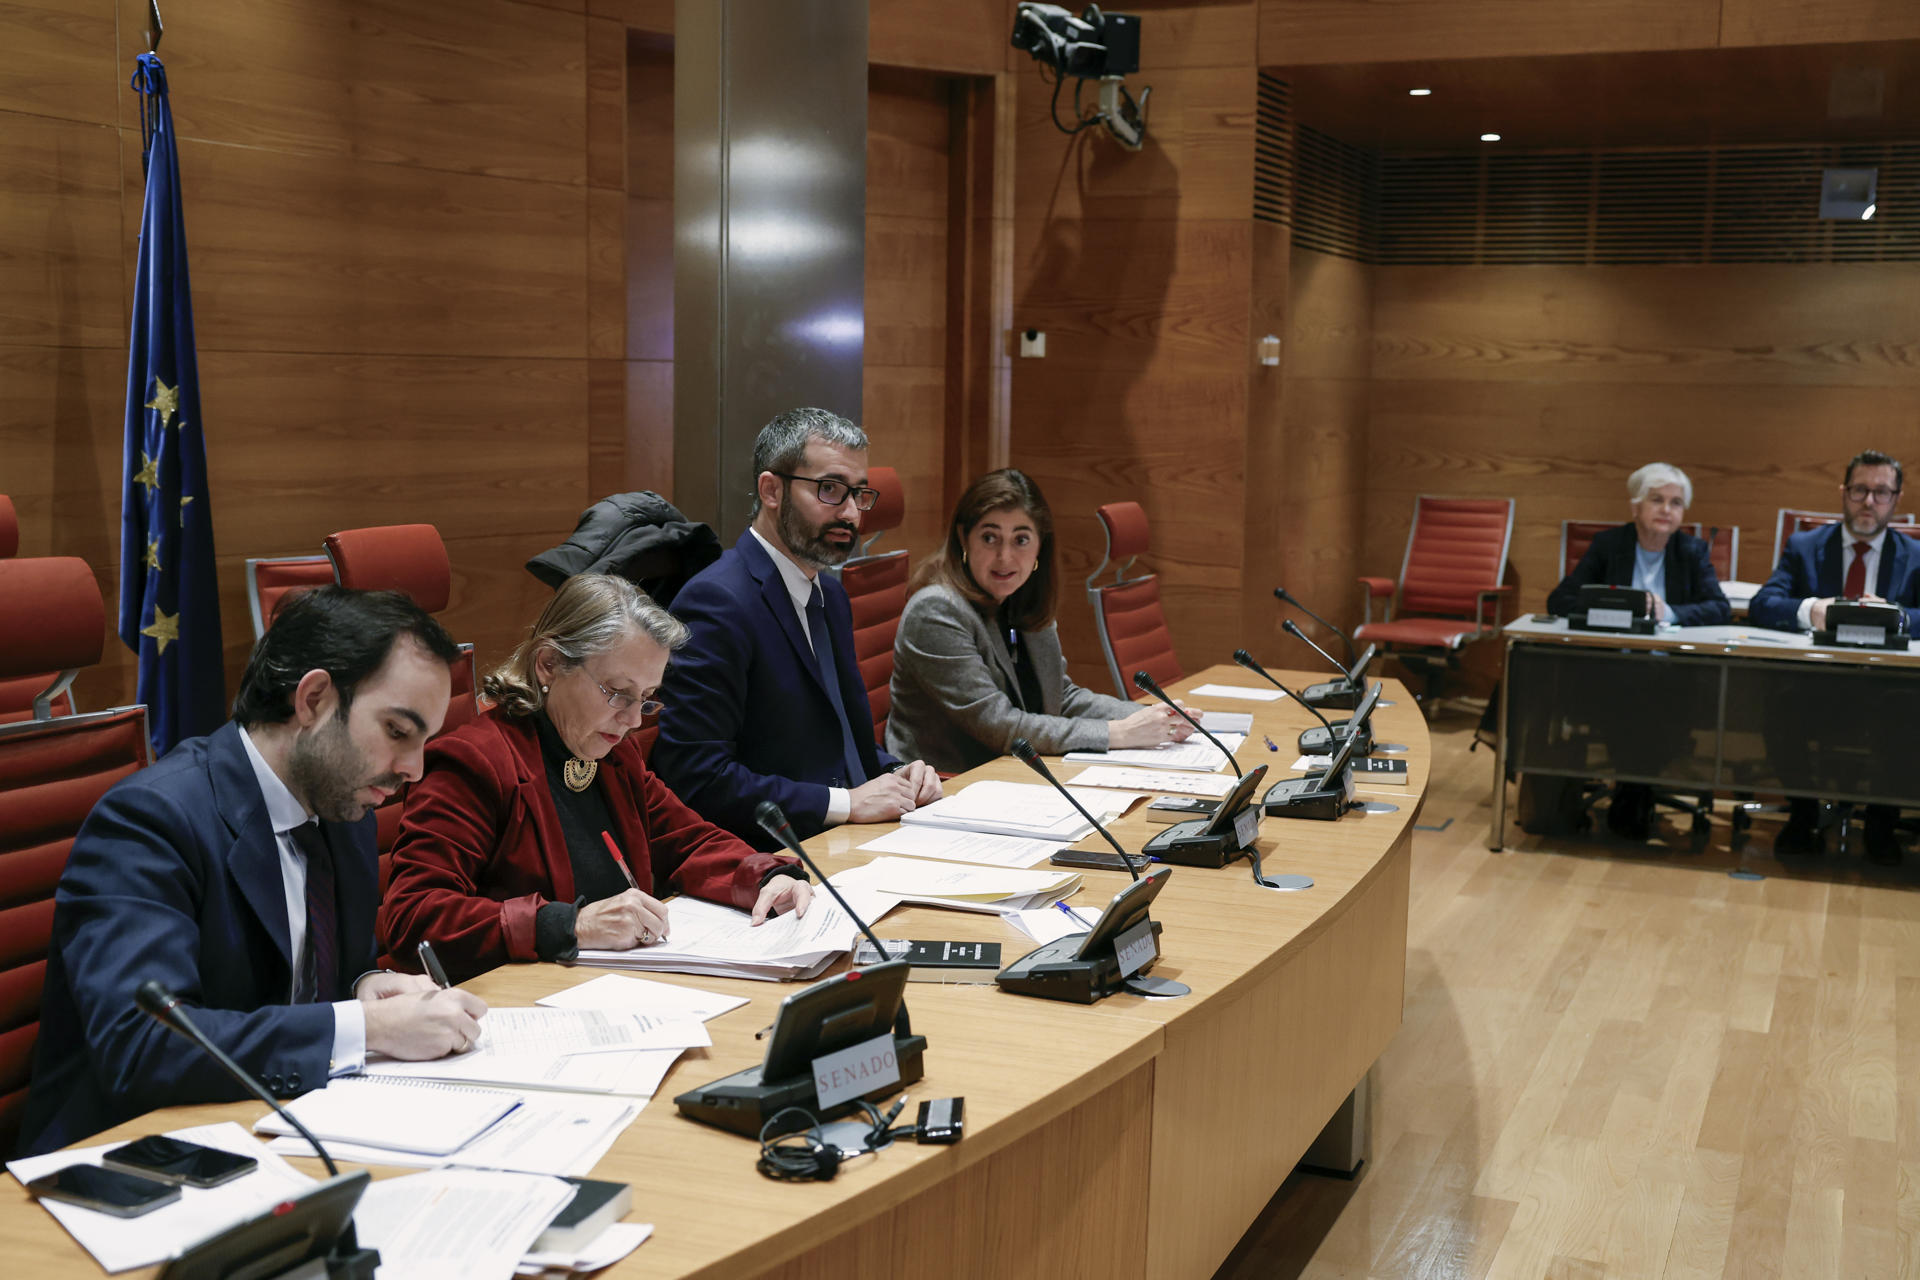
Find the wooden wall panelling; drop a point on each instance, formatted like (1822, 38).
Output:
(654, 16)
(648, 446)
(62, 223)
(1816, 21)
(1270, 459)
(979, 279)
(61, 60)
(316, 253)
(961, 36)
(607, 276)
(904, 369)
(501, 91)
(1303, 31)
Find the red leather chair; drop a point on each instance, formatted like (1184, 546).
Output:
(876, 584)
(17, 695)
(52, 770)
(271, 579)
(1723, 552)
(409, 558)
(1127, 612)
(1451, 581)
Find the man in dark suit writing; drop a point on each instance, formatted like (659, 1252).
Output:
(766, 701)
(1860, 558)
(239, 872)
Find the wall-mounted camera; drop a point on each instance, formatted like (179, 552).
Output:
(1102, 47)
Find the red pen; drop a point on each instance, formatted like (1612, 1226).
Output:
(619, 860)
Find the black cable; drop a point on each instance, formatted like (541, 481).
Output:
(805, 1155)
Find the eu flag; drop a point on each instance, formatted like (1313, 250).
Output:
(169, 599)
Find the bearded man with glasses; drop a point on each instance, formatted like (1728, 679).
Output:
(767, 702)
(1860, 558)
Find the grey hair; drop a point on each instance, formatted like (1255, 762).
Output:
(588, 615)
(782, 443)
(1653, 476)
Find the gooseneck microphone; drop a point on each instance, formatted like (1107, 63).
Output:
(346, 1258)
(1023, 752)
(1144, 682)
(1282, 594)
(1291, 628)
(773, 820)
(1245, 659)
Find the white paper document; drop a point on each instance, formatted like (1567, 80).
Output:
(457, 1224)
(1246, 693)
(705, 937)
(1027, 809)
(426, 1116)
(527, 1032)
(1213, 786)
(965, 888)
(554, 1133)
(119, 1244)
(611, 1245)
(1195, 753)
(1222, 723)
(1047, 923)
(622, 994)
(630, 1072)
(977, 847)
(1311, 764)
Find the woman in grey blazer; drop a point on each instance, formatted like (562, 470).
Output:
(977, 661)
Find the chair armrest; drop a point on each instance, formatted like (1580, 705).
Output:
(1480, 608)
(1377, 587)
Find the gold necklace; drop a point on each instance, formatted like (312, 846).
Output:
(578, 773)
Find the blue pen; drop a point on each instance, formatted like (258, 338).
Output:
(1072, 914)
(1271, 744)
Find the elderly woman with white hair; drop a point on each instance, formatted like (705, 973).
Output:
(1651, 552)
(538, 830)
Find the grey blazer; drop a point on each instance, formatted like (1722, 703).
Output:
(956, 700)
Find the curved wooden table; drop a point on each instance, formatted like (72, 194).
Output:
(1132, 1138)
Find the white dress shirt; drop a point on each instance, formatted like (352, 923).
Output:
(1872, 557)
(800, 588)
(286, 813)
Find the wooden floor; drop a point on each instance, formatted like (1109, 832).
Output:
(1621, 1061)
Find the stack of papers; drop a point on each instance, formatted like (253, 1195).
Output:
(1021, 809)
(705, 937)
(426, 1123)
(1195, 753)
(946, 884)
(457, 1224)
(644, 998)
(583, 1050)
(1244, 692)
(965, 846)
(119, 1244)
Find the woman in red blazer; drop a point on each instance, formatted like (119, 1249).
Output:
(538, 830)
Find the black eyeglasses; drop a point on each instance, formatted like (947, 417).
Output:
(834, 492)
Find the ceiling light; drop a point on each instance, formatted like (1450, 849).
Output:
(1489, 137)
(1868, 212)
(1419, 93)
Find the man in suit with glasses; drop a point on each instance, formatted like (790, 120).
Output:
(766, 701)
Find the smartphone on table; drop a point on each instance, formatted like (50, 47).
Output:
(186, 1163)
(124, 1195)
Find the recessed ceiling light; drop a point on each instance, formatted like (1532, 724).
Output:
(1868, 212)
(1489, 137)
(1419, 93)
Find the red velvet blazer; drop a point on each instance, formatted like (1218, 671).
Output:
(480, 848)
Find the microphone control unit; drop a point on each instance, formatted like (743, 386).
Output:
(1323, 740)
(1334, 695)
(1309, 797)
(1217, 840)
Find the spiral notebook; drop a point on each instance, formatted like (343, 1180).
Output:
(427, 1116)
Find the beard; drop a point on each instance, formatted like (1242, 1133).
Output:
(809, 541)
(326, 768)
(1867, 525)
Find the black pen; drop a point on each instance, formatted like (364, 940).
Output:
(431, 963)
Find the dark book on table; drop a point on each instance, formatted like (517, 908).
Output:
(1392, 773)
(595, 1207)
(936, 961)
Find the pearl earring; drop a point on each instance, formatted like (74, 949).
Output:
(543, 688)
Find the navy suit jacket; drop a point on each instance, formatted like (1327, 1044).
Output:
(1814, 564)
(747, 717)
(1692, 589)
(175, 876)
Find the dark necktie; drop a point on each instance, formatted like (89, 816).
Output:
(320, 966)
(1857, 571)
(830, 676)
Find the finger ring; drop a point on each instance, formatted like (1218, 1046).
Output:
(646, 936)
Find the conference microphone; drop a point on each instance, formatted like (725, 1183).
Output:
(1292, 628)
(1144, 683)
(346, 1258)
(773, 820)
(1312, 742)
(1023, 752)
(1281, 593)
(1245, 659)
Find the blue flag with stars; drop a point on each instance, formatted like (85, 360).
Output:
(169, 597)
